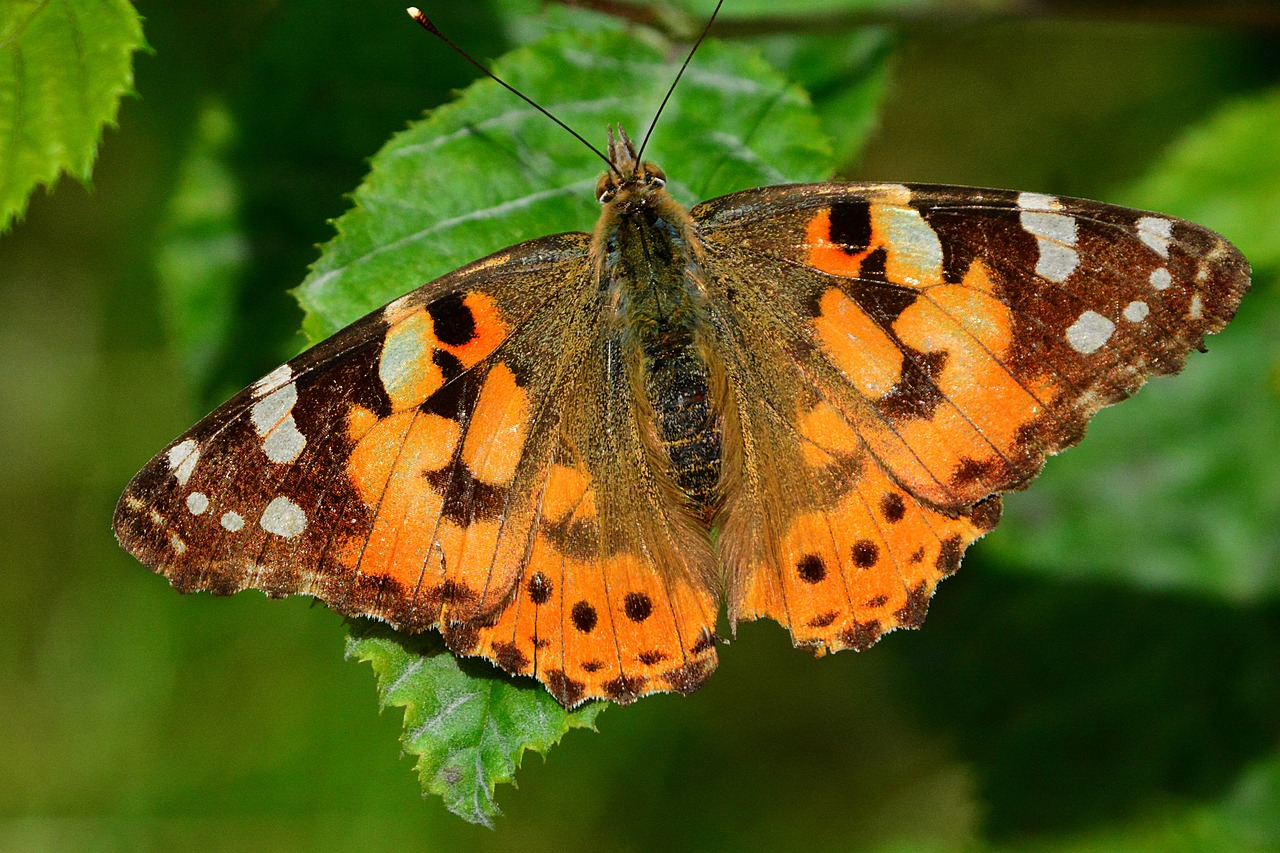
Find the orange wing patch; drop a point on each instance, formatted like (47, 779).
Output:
(933, 357)
(976, 429)
(592, 627)
(861, 350)
(495, 437)
(430, 472)
(846, 574)
(889, 236)
(389, 468)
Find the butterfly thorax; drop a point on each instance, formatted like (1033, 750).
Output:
(647, 259)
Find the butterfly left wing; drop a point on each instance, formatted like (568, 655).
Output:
(913, 352)
(445, 462)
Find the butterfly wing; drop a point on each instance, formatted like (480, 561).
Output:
(914, 351)
(442, 462)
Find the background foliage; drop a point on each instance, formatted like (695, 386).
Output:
(1103, 673)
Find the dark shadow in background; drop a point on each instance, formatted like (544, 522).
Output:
(1081, 704)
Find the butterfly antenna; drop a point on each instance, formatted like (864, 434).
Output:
(425, 22)
(645, 142)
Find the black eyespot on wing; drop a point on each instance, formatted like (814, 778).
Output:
(539, 588)
(637, 606)
(453, 321)
(851, 226)
(865, 553)
(584, 617)
(811, 568)
(892, 507)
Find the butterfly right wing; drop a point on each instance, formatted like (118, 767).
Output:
(464, 459)
(914, 352)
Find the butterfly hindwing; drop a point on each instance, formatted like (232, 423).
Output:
(914, 351)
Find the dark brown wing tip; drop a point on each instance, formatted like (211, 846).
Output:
(139, 528)
(1227, 277)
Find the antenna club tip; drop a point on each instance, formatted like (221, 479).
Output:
(422, 19)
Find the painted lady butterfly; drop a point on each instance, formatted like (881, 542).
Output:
(799, 402)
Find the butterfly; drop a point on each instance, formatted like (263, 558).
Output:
(796, 402)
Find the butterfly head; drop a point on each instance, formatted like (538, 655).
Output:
(628, 179)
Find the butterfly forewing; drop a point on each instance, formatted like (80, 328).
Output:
(288, 486)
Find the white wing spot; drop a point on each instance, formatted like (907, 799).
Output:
(1057, 261)
(273, 380)
(156, 518)
(178, 545)
(133, 502)
(1160, 278)
(271, 410)
(284, 518)
(1090, 332)
(1136, 312)
(1197, 307)
(232, 521)
(182, 460)
(1055, 234)
(917, 251)
(272, 419)
(1052, 226)
(197, 502)
(1038, 201)
(1156, 233)
(284, 444)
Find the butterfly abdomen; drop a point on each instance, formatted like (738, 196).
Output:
(649, 258)
(678, 387)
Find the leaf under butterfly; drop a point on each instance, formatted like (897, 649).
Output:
(468, 728)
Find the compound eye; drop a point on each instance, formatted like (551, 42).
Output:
(654, 175)
(605, 189)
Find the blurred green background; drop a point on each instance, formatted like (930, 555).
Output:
(1104, 673)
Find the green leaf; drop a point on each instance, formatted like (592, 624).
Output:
(527, 21)
(1182, 489)
(468, 731)
(846, 74)
(63, 68)
(488, 171)
(202, 251)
